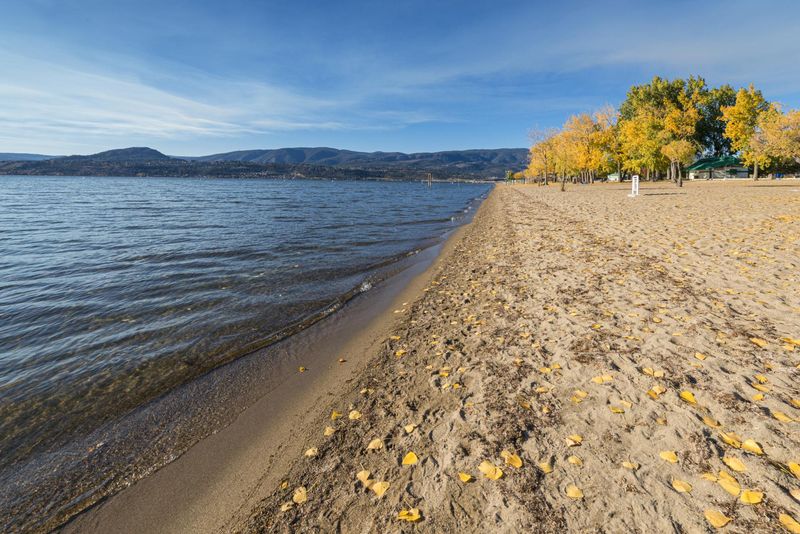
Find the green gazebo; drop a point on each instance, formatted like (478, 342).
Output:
(720, 168)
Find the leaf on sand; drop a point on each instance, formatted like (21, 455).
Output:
(751, 497)
(700, 356)
(546, 467)
(490, 471)
(794, 468)
(760, 387)
(633, 466)
(729, 484)
(574, 440)
(734, 463)
(760, 342)
(688, 396)
(578, 396)
(465, 477)
(574, 492)
(313, 451)
(300, 495)
(399, 353)
(795, 493)
(302, 369)
(574, 460)
(410, 458)
(380, 488)
(375, 444)
(710, 421)
(409, 515)
(511, 459)
(782, 417)
(363, 477)
(789, 523)
(669, 456)
(616, 409)
(795, 402)
(329, 430)
(717, 519)
(409, 428)
(731, 439)
(758, 397)
(354, 415)
(752, 447)
(335, 415)
(285, 507)
(602, 379)
(681, 486)
(709, 476)
(655, 391)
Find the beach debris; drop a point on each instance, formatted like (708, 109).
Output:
(465, 477)
(794, 468)
(489, 470)
(795, 493)
(633, 466)
(734, 463)
(681, 486)
(574, 492)
(575, 460)
(363, 477)
(709, 476)
(616, 409)
(578, 396)
(410, 458)
(789, 523)
(329, 431)
(400, 352)
(546, 467)
(354, 415)
(379, 488)
(655, 391)
(751, 497)
(710, 421)
(574, 440)
(731, 439)
(342, 360)
(409, 428)
(782, 417)
(758, 397)
(313, 451)
(752, 447)
(375, 444)
(700, 356)
(716, 519)
(729, 484)
(511, 459)
(602, 379)
(649, 371)
(688, 397)
(300, 495)
(285, 507)
(669, 456)
(760, 342)
(410, 515)
(335, 415)
(302, 369)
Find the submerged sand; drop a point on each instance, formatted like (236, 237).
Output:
(639, 357)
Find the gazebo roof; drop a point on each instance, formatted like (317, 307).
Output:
(703, 164)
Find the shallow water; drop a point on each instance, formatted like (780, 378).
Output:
(114, 291)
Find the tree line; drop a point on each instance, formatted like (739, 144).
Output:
(663, 126)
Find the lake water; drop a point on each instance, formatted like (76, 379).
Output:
(114, 291)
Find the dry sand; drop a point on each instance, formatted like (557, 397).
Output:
(553, 316)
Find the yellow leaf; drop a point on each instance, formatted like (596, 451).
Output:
(578, 396)
(760, 342)
(546, 467)
(791, 341)
(410, 459)
(734, 463)
(761, 379)
(751, 497)
(709, 476)
(789, 523)
(731, 439)
(542, 389)
(758, 397)
(688, 396)
(300, 495)
(313, 451)
(490, 471)
(409, 515)
(669, 456)
(602, 379)
(710, 421)
(399, 353)
(574, 440)
(795, 402)
(302, 369)
(751, 446)
(363, 477)
(729, 484)
(354, 415)
(717, 519)
(574, 492)
(615, 409)
(285, 507)
(633, 466)
(661, 421)
(409, 428)
(574, 460)
(464, 477)
(648, 371)
(700, 356)
(375, 444)
(795, 492)
(380, 488)
(782, 417)
(329, 431)
(335, 415)
(794, 467)
(681, 486)
(511, 459)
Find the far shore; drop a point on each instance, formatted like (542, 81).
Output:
(572, 361)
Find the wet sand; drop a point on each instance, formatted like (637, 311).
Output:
(614, 365)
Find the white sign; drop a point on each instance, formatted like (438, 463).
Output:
(634, 186)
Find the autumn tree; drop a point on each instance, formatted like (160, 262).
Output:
(742, 125)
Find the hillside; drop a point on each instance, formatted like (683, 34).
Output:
(19, 156)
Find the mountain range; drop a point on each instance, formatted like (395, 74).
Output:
(319, 162)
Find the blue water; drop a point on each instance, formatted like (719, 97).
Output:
(115, 290)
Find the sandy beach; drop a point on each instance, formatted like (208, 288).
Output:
(572, 362)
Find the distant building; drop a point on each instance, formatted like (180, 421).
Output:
(613, 177)
(722, 168)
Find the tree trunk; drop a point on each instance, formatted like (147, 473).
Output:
(563, 182)
(755, 171)
(680, 176)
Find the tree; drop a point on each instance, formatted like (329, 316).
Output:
(741, 125)
(711, 128)
(778, 134)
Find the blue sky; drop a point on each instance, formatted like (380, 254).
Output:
(193, 77)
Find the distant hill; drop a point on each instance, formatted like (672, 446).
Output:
(473, 160)
(133, 154)
(17, 156)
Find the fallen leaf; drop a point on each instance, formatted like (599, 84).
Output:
(633, 466)
(758, 397)
(380, 488)
(363, 476)
(760, 342)
(794, 468)
(717, 519)
(375, 444)
(465, 477)
(399, 353)
(751, 446)
(700, 356)
(681, 486)
(409, 515)
(688, 396)
(546, 467)
(602, 379)
(574, 492)
(490, 470)
(795, 492)
(734, 463)
(574, 440)
(409, 428)
(410, 459)
(669, 456)
(354, 415)
(329, 430)
(574, 460)
(302, 369)
(729, 484)
(615, 409)
(313, 451)
(751, 497)
(511, 459)
(782, 417)
(789, 523)
(300, 495)
(335, 415)
(709, 476)
(731, 439)
(710, 421)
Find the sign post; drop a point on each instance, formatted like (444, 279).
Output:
(634, 186)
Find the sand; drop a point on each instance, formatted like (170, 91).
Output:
(554, 315)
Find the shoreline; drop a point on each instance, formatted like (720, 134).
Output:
(223, 458)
